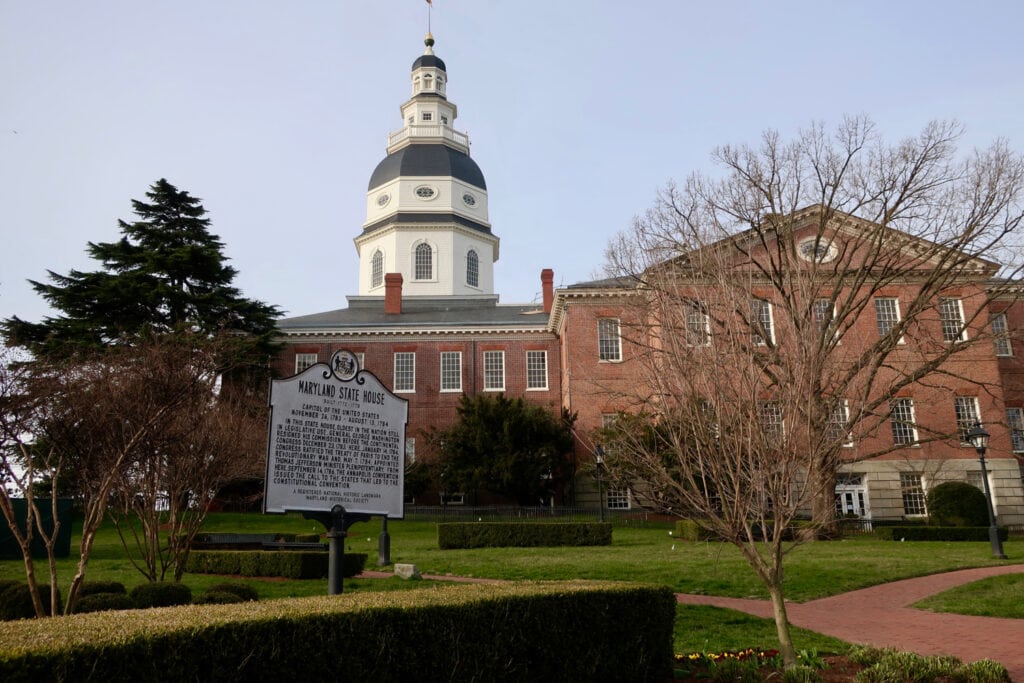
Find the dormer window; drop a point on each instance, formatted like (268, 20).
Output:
(427, 82)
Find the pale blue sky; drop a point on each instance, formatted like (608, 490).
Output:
(274, 114)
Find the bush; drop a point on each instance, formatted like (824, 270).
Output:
(311, 564)
(242, 591)
(691, 530)
(985, 671)
(937, 533)
(16, 601)
(102, 602)
(801, 674)
(958, 504)
(506, 632)
(217, 598)
(161, 594)
(99, 587)
(522, 534)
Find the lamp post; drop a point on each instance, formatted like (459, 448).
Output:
(979, 439)
(599, 462)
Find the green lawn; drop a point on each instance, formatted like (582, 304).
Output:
(997, 596)
(646, 554)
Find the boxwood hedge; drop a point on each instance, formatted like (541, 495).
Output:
(522, 534)
(512, 632)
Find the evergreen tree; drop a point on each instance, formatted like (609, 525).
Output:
(166, 273)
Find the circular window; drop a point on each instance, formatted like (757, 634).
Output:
(469, 199)
(383, 199)
(817, 250)
(425, 192)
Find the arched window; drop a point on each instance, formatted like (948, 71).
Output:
(424, 262)
(427, 82)
(472, 269)
(377, 269)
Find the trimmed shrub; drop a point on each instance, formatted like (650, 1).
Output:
(957, 503)
(308, 538)
(510, 632)
(937, 533)
(161, 594)
(243, 591)
(691, 530)
(16, 601)
(217, 598)
(98, 587)
(292, 565)
(522, 534)
(102, 602)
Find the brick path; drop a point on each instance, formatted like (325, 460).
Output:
(880, 616)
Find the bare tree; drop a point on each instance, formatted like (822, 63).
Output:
(767, 333)
(214, 435)
(25, 474)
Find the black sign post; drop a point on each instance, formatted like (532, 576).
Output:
(337, 522)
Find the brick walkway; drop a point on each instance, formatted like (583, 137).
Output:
(880, 616)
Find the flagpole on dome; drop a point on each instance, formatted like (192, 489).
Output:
(430, 7)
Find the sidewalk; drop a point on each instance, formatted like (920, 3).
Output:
(880, 616)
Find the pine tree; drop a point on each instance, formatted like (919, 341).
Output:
(167, 272)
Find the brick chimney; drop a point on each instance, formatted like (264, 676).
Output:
(547, 279)
(393, 293)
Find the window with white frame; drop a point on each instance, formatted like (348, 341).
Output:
(698, 330)
(405, 371)
(608, 419)
(360, 358)
(428, 116)
(472, 269)
(824, 313)
(901, 417)
(410, 449)
(1001, 335)
(912, 490)
(609, 341)
(303, 361)
(424, 262)
(761, 322)
(451, 371)
(838, 428)
(536, 370)
(769, 414)
(617, 499)
(951, 313)
(494, 371)
(377, 269)
(1015, 421)
(887, 314)
(967, 415)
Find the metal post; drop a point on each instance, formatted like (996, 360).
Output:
(993, 530)
(384, 544)
(336, 559)
(599, 460)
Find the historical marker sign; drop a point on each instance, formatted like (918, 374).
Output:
(337, 437)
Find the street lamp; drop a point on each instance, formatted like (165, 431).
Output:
(979, 439)
(599, 462)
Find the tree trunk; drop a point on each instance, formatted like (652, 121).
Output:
(823, 506)
(782, 626)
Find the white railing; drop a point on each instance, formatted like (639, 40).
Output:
(428, 131)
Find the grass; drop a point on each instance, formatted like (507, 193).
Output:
(996, 596)
(646, 554)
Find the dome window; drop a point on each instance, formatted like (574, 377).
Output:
(472, 269)
(425, 192)
(382, 200)
(377, 269)
(469, 199)
(424, 262)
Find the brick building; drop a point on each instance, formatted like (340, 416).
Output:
(427, 322)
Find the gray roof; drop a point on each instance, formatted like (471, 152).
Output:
(424, 313)
(429, 60)
(427, 160)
